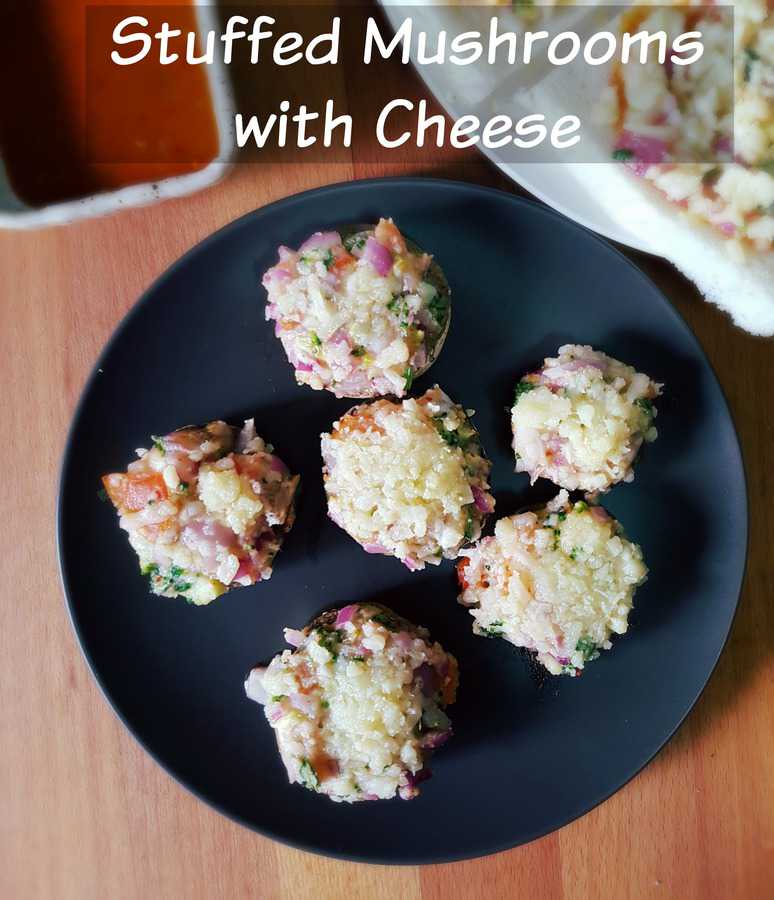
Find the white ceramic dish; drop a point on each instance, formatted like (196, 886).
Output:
(563, 186)
(16, 214)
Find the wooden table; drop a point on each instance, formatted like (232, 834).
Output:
(87, 814)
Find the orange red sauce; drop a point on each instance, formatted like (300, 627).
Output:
(73, 123)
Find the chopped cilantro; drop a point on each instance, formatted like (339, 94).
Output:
(469, 523)
(390, 623)
(645, 405)
(278, 698)
(752, 56)
(588, 648)
(581, 506)
(330, 639)
(150, 569)
(358, 658)
(709, 178)
(522, 387)
(183, 487)
(308, 775)
(458, 437)
(158, 443)
(357, 350)
(622, 154)
(328, 259)
(354, 242)
(561, 515)
(493, 629)
(399, 306)
(574, 553)
(409, 376)
(316, 342)
(324, 704)
(438, 307)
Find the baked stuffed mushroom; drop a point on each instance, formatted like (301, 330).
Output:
(206, 509)
(408, 479)
(358, 706)
(559, 582)
(359, 314)
(581, 420)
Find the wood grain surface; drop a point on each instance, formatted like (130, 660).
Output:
(87, 814)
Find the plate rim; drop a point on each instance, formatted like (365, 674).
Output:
(441, 184)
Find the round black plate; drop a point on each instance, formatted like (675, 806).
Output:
(527, 757)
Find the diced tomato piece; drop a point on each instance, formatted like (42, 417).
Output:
(343, 260)
(132, 492)
(386, 232)
(461, 566)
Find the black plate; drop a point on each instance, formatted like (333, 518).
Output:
(526, 757)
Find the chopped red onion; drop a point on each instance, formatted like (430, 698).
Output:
(482, 500)
(294, 637)
(644, 147)
(429, 677)
(435, 739)
(374, 548)
(378, 256)
(346, 614)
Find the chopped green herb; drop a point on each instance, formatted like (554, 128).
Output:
(102, 494)
(309, 776)
(561, 515)
(469, 523)
(622, 154)
(158, 443)
(183, 487)
(358, 658)
(709, 178)
(574, 553)
(316, 342)
(457, 437)
(278, 698)
(387, 620)
(438, 306)
(645, 405)
(581, 506)
(569, 670)
(150, 569)
(324, 704)
(588, 648)
(409, 376)
(330, 639)
(357, 350)
(399, 306)
(752, 56)
(493, 629)
(328, 259)
(354, 242)
(523, 387)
